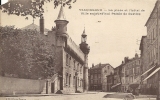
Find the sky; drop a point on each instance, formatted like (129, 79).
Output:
(110, 37)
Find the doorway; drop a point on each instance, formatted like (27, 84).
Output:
(76, 84)
(52, 87)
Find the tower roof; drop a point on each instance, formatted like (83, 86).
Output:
(61, 15)
(84, 34)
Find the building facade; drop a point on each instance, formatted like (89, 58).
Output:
(131, 71)
(97, 76)
(106, 70)
(71, 65)
(150, 75)
(117, 79)
(110, 82)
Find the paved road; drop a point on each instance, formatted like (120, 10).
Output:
(83, 96)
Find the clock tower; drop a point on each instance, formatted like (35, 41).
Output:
(85, 49)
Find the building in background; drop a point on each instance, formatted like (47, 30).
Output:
(117, 79)
(131, 74)
(110, 82)
(98, 76)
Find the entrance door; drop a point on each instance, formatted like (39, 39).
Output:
(76, 84)
(61, 83)
(46, 87)
(52, 87)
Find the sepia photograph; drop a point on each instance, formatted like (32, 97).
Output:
(80, 50)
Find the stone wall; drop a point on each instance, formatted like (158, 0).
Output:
(19, 86)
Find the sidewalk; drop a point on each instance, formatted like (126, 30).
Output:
(146, 96)
(53, 94)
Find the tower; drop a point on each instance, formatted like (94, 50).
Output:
(85, 49)
(61, 38)
(61, 24)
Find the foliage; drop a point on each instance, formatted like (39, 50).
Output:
(31, 7)
(26, 53)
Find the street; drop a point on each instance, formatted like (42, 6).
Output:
(79, 96)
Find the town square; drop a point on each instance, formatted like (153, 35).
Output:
(80, 49)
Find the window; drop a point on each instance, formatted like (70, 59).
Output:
(69, 79)
(153, 35)
(66, 59)
(78, 67)
(99, 76)
(95, 76)
(74, 64)
(81, 69)
(91, 81)
(78, 82)
(66, 78)
(69, 61)
(91, 76)
(74, 80)
(57, 27)
(139, 62)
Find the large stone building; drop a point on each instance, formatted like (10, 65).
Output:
(98, 76)
(71, 60)
(150, 51)
(131, 70)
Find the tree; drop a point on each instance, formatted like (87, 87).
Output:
(26, 54)
(31, 7)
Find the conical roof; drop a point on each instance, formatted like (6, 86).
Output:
(84, 34)
(61, 15)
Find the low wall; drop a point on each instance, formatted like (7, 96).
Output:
(20, 86)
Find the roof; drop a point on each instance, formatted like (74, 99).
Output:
(152, 12)
(84, 34)
(99, 66)
(61, 15)
(119, 66)
(34, 26)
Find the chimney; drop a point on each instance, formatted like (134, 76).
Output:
(42, 25)
(125, 59)
(92, 65)
(99, 64)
